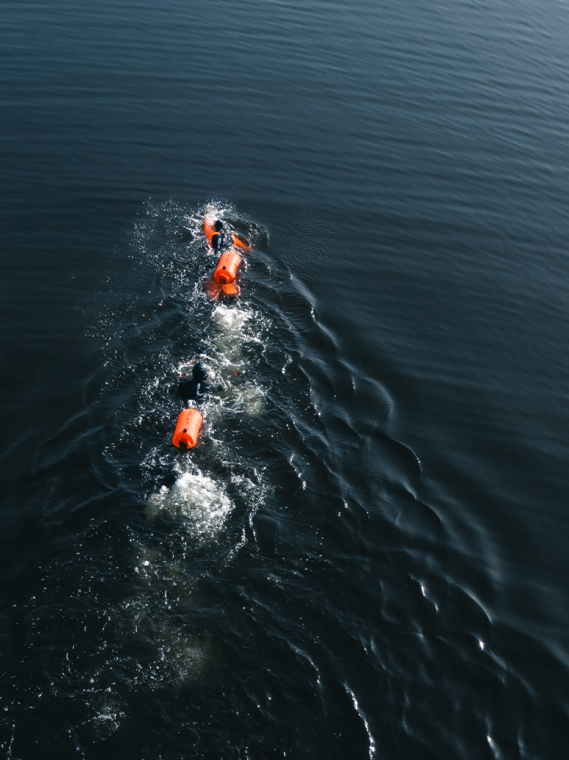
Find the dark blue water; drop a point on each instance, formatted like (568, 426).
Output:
(365, 555)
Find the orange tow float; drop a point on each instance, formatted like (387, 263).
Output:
(229, 261)
(187, 428)
(227, 267)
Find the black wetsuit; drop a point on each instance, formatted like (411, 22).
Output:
(193, 388)
(220, 239)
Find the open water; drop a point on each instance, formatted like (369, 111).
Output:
(366, 555)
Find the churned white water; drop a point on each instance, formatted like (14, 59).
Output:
(230, 320)
(250, 400)
(237, 329)
(196, 499)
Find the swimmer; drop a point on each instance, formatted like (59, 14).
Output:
(195, 388)
(220, 236)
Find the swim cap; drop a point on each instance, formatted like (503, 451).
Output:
(199, 372)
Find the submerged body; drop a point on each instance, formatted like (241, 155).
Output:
(193, 388)
(190, 420)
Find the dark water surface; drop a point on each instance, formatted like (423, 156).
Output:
(366, 554)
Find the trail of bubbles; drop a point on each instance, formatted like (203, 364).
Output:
(199, 500)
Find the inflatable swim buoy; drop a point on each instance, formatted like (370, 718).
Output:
(227, 267)
(187, 428)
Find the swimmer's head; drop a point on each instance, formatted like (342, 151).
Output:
(199, 372)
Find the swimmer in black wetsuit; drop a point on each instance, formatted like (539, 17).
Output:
(193, 388)
(219, 240)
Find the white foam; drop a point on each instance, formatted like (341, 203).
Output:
(198, 500)
(250, 400)
(230, 320)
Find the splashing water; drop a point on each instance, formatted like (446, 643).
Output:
(197, 500)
